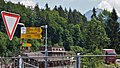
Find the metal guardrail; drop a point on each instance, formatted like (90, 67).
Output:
(60, 56)
(31, 65)
(64, 63)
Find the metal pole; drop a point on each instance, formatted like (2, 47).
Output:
(63, 60)
(20, 62)
(1, 62)
(46, 53)
(20, 59)
(21, 24)
(78, 60)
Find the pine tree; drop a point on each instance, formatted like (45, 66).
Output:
(77, 17)
(66, 13)
(55, 8)
(70, 16)
(47, 7)
(61, 11)
(67, 40)
(96, 36)
(112, 29)
(94, 13)
(114, 15)
(37, 16)
(37, 8)
(66, 10)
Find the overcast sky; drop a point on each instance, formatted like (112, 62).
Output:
(81, 5)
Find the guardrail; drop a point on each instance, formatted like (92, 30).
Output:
(73, 61)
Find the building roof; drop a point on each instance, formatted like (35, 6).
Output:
(34, 54)
(40, 57)
(55, 51)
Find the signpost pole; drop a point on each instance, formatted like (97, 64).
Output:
(20, 62)
(78, 61)
(46, 50)
(46, 53)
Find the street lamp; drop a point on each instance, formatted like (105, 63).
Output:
(46, 51)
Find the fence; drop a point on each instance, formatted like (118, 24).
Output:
(79, 61)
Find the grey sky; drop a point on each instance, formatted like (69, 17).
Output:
(81, 5)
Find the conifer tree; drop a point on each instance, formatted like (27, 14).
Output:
(114, 15)
(70, 16)
(55, 8)
(37, 16)
(94, 13)
(66, 10)
(112, 29)
(47, 7)
(61, 11)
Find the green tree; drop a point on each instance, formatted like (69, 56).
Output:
(37, 16)
(67, 40)
(94, 13)
(113, 15)
(112, 28)
(77, 17)
(61, 11)
(96, 36)
(55, 8)
(76, 49)
(35, 44)
(3, 44)
(47, 7)
(8, 48)
(13, 47)
(70, 16)
(77, 36)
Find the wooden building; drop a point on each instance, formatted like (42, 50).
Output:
(55, 57)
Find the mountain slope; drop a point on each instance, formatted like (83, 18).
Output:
(98, 11)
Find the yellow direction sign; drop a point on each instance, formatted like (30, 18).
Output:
(33, 30)
(31, 36)
(26, 44)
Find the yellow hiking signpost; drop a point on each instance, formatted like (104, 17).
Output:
(26, 44)
(31, 36)
(31, 32)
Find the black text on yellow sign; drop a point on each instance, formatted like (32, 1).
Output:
(31, 36)
(32, 30)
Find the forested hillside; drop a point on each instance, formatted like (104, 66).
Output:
(67, 28)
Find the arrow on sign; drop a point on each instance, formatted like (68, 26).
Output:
(10, 22)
